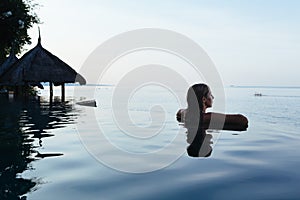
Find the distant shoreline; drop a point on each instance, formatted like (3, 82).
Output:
(77, 84)
(230, 86)
(266, 87)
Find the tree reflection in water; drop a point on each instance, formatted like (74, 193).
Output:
(22, 122)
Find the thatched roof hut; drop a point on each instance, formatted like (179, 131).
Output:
(39, 65)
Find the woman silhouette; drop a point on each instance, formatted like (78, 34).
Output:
(196, 120)
(199, 98)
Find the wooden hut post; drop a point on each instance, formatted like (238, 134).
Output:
(63, 92)
(51, 91)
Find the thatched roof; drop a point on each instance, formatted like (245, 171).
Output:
(8, 63)
(39, 65)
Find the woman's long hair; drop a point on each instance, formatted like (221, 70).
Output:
(195, 94)
(194, 119)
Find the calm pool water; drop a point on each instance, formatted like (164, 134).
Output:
(43, 154)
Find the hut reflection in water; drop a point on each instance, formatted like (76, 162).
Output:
(22, 123)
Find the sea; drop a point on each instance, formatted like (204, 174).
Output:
(136, 149)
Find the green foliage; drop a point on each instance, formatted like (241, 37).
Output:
(16, 17)
(31, 91)
(24, 90)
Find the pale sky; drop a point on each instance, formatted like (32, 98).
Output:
(253, 42)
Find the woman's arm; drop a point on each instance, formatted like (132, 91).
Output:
(236, 122)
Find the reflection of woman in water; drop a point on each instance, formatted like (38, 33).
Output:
(196, 120)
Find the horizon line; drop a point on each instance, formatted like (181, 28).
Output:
(264, 86)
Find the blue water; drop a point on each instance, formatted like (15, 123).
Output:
(43, 156)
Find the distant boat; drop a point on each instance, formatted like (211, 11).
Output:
(257, 94)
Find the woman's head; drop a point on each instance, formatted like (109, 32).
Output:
(199, 97)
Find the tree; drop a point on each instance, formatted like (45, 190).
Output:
(16, 17)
